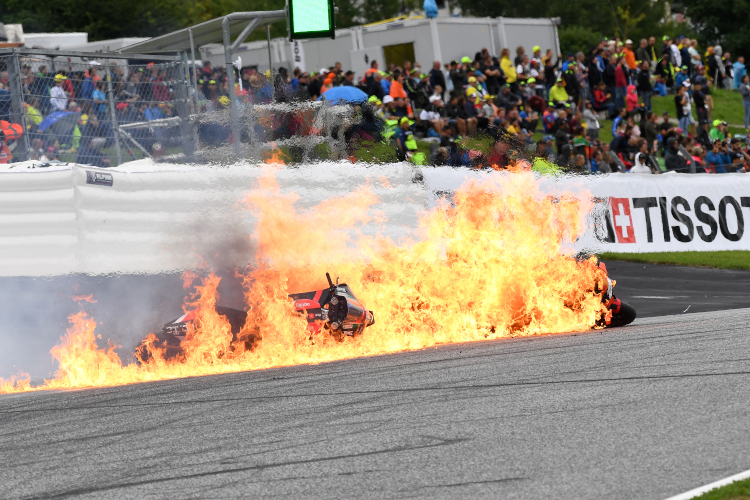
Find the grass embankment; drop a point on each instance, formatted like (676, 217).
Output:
(738, 490)
(730, 259)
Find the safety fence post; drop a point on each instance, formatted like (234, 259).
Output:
(183, 102)
(17, 112)
(113, 115)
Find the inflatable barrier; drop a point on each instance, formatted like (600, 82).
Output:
(157, 218)
(147, 218)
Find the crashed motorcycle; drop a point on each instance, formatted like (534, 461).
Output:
(334, 310)
(622, 312)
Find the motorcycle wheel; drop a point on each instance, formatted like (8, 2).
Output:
(624, 316)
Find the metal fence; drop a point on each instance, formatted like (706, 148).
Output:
(96, 109)
(108, 109)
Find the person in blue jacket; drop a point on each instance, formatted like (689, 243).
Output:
(717, 159)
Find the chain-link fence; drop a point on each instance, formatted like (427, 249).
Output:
(107, 109)
(92, 109)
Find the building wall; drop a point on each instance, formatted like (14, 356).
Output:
(457, 37)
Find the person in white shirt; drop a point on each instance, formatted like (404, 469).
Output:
(58, 97)
(640, 165)
(676, 55)
(431, 114)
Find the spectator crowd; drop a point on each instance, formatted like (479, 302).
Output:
(538, 103)
(68, 113)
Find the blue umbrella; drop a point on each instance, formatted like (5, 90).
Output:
(346, 94)
(53, 118)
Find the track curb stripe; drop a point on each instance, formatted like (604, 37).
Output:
(703, 489)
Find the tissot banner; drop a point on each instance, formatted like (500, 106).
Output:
(646, 213)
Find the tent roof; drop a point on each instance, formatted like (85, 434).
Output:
(203, 33)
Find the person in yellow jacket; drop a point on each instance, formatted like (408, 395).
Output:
(507, 66)
(33, 115)
(558, 93)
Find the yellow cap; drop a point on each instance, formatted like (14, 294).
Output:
(472, 79)
(59, 78)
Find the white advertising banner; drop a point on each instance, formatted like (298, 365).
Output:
(644, 213)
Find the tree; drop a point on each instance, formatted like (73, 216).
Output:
(101, 19)
(720, 21)
(623, 18)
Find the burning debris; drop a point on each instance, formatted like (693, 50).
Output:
(489, 265)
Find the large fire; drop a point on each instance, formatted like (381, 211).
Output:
(488, 265)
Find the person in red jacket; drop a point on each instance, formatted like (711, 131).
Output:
(621, 82)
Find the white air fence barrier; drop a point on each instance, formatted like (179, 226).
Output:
(158, 218)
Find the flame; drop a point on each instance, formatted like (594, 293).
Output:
(489, 265)
(274, 156)
(84, 298)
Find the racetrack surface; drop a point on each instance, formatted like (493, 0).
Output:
(641, 412)
(658, 290)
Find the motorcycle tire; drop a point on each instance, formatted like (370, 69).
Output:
(624, 316)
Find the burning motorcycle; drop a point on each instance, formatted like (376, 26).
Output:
(334, 310)
(622, 312)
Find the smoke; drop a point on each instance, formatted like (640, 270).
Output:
(35, 312)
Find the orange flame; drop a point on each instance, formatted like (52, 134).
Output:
(84, 298)
(490, 265)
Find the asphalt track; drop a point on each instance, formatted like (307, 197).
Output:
(642, 412)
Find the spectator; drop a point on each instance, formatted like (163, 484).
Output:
(437, 77)
(650, 130)
(619, 119)
(550, 72)
(374, 88)
(717, 160)
(699, 98)
(695, 57)
(58, 97)
(603, 101)
(592, 123)
(630, 58)
(739, 72)
(665, 70)
(720, 72)
(557, 94)
(703, 137)
(645, 90)
(457, 75)
(621, 82)
(681, 77)
(631, 99)
(684, 47)
(719, 131)
(675, 54)
(744, 89)
(643, 54)
(348, 79)
(683, 107)
(397, 86)
(508, 68)
(673, 161)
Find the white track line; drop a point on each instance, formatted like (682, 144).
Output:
(703, 489)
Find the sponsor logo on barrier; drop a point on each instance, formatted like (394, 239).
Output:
(680, 219)
(99, 178)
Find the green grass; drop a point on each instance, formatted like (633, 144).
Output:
(727, 107)
(738, 490)
(729, 259)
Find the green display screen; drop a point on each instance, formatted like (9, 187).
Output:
(311, 19)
